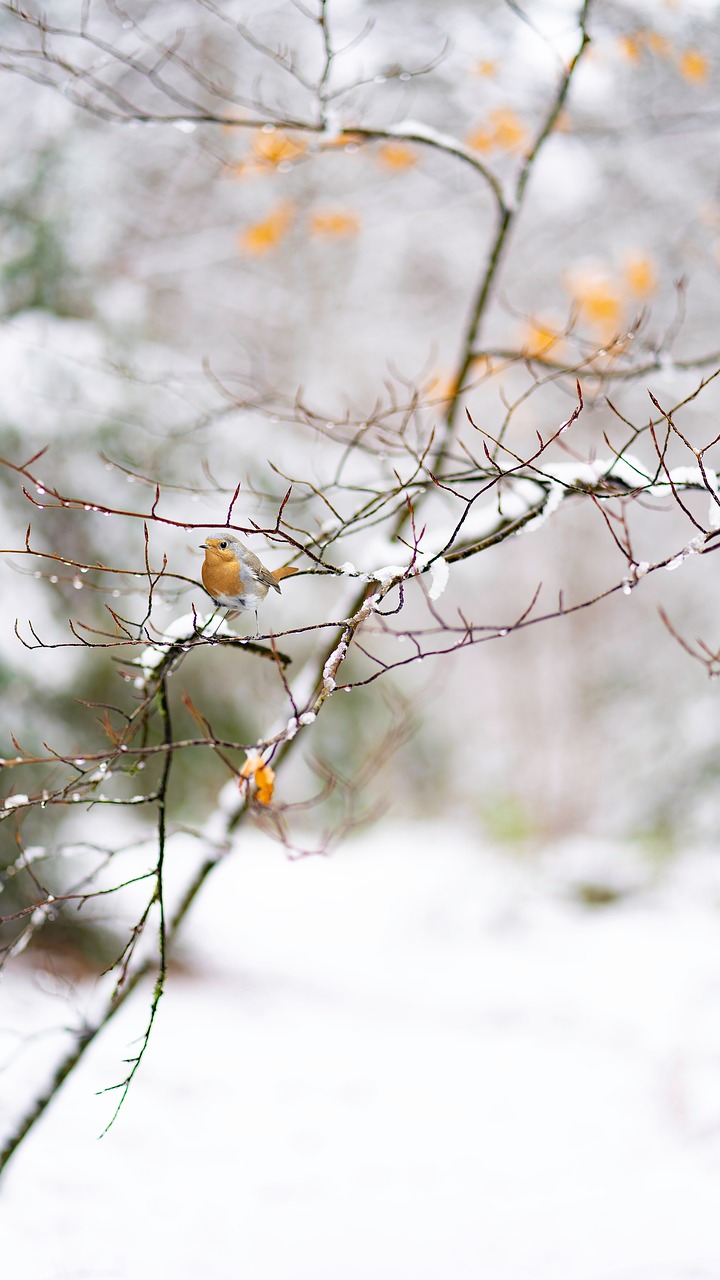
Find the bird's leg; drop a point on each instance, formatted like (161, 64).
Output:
(257, 625)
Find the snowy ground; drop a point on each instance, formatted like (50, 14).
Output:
(412, 1061)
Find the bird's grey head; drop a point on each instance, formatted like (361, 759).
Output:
(222, 542)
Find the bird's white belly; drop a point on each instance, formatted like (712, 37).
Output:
(250, 599)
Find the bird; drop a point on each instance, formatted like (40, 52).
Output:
(234, 576)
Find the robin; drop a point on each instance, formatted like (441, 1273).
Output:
(235, 578)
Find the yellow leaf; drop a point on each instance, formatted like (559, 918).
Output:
(441, 388)
(242, 169)
(486, 67)
(640, 274)
(265, 783)
(659, 45)
(265, 235)
(483, 365)
(599, 302)
(229, 126)
(631, 47)
(504, 131)
(540, 339)
(277, 148)
(397, 155)
(480, 139)
(334, 223)
(694, 66)
(263, 776)
(507, 129)
(341, 140)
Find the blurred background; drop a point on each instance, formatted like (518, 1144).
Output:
(199, 304)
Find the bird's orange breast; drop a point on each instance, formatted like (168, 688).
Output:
(221, 578)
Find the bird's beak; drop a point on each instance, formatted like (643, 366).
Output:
(203, 546)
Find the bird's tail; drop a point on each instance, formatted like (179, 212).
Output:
(285, 571)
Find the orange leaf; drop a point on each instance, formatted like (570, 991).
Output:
(504, 130)
(229, 127)
(508, 130)
(486, 67)
(275, 147)
(441, 388)
(483, 365)
(640, 274)
(631, 47)
(263, 776)
(694, 66)
(265, 782)
(240, 169)
(659, 45)
(480, 139)
(341, 140)
(540, 339)
(397, 155)
(334, 223)
(265, 235)
(599, 301)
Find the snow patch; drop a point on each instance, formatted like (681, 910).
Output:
(14, 802)
(439, 576)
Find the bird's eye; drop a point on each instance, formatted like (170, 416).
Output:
(223, 546)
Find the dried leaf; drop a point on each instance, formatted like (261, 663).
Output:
(334, 223)
(262, 775)
(694, 66)
(397, 155)
(631, 47)
(342, 140)
(107, 726)
(265, 235)
(657, 44)
(274, 147)
(599, 301)
(504, 132)
(540, 339)
(640, 274)
(441, 388)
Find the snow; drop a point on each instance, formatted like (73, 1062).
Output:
(439, 577)
(16, 800)
(332, 664)
(694, 476)
(388, 1062)
(417, 129)
(416, 1058)
(564, 477)
(387, 573)
(182, 628)
(555, 495)
(694, 546)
